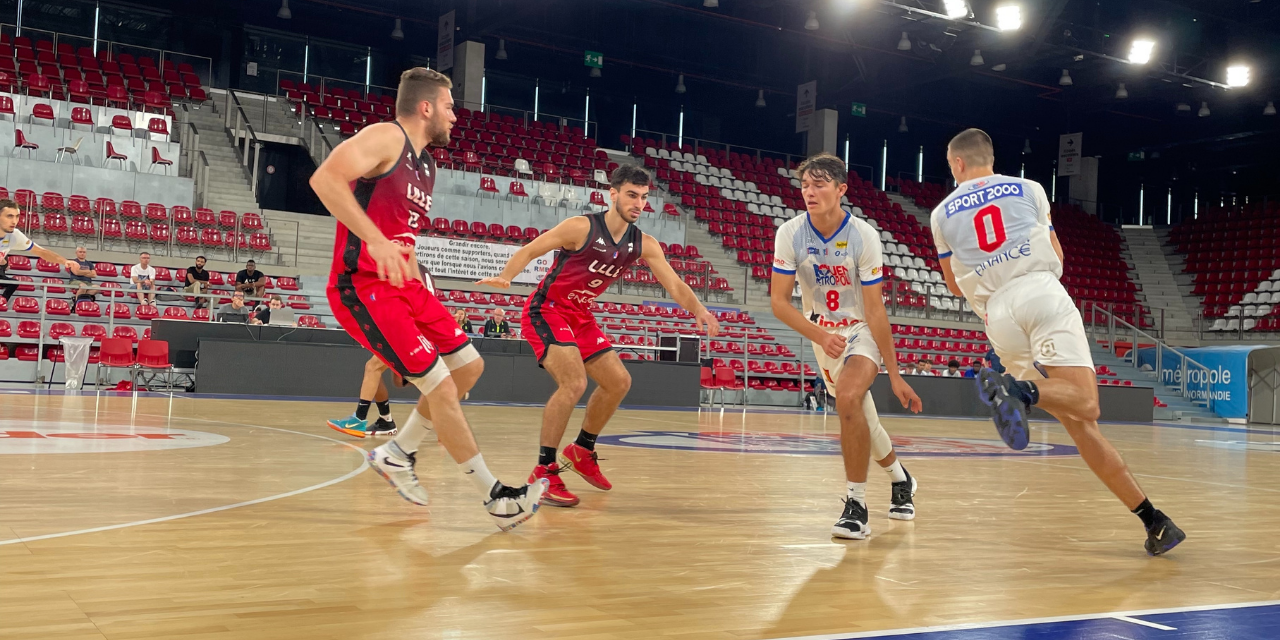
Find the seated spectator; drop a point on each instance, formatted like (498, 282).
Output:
(251, 281)
(497, 326)
(82, 276)
(234, 311)
(263, 316)
(143, 276)
(924, 367)
(460, 316)
(198, 281)
(953, 370)
(974, 368)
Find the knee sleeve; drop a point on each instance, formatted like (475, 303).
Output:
(427, 382)
(461, 358)
(881, 447)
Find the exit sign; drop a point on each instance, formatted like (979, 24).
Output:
(1137, 156)
(859, 110)
(594, 59)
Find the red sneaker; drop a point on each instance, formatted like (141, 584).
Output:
(583, 461)
(556, 495)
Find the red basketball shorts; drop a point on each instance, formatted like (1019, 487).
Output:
(407, 328)
(544, 326)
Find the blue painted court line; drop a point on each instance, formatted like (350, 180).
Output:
(1243, 621)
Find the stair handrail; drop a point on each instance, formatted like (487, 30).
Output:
(192, 163)
(311, 132)
(1186, 361)
(241, 132)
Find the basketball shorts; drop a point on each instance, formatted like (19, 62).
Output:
(1031, 321)
(544, 326)
(407, 328)
(858, 343)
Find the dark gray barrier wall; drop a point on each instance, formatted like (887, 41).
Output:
(959, 397)
(308, 369)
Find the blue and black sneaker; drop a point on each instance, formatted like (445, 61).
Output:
(1163, 535)
(1009, 410)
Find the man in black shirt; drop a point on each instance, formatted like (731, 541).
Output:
(82, 276)
(251, 281)
(198, 281)
(497, 326)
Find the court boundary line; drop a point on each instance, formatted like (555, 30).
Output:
(967, 626)
(364, 464)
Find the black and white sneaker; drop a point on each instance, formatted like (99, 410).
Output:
(900, 505)
(852, 524)
(511, 506)
(1163, 535)
(383, 427)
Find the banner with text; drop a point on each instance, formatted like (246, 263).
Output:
(1069, 154)
(444, 42)
(451, 258)
(1225, 383)
(806, 100)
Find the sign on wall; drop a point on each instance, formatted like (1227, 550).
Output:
(465, 260)
(1225, 382)
(593, 59)
(806, 99)
(859, 110)
(444, 45)
(1069, 154)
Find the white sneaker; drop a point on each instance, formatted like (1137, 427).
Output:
(389, 462)
(511, 506)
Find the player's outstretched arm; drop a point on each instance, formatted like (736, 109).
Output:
(568, 235)
(878, 323)
(371, 152)
(780, 289)
(652, 253)
(52, 256)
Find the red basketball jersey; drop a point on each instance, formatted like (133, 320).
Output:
(397, 202)
(577, 277)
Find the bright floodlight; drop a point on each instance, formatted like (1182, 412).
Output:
(1140, 51)
(1237, 75)
(956, 8)
(1009, 17)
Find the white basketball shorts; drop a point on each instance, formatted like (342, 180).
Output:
(1031, 321)
(858, 343)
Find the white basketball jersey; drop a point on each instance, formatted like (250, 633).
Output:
(15, 240)
(831, 271)
(994, 229)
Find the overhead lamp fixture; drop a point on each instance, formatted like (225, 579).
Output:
(398, 33)
(902, 125)
(284, 13)
(710, 4)
(760, 100)
(502, 51)
(1065, 80)
(1140, 51)
(680, 84)
(1183, 107)
(1000, 67)
(1237, 75)
(1204, 110)
(976, 60)
(905, 43)
(811, 23)
(956, 8)
(1026, 147)
(1009, 17)
(1121, 92)
(1270, 109)
(595, 72)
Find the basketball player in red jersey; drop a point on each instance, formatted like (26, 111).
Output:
(594, 250)
(378, 185)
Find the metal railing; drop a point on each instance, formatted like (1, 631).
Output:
(758, 154)
(192, 163)
(242, 136)
(1236, 326)
(202, 65)
(314, 138)
(1114, 330)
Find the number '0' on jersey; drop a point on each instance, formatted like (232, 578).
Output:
(831, 271)
(994, 229)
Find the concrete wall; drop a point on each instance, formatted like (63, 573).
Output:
(93, 182)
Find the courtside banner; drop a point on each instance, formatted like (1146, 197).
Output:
(452, 258)
(1226, 382)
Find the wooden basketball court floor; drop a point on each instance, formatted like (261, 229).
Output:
(236, 518)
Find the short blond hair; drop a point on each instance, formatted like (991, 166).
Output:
(417, 85)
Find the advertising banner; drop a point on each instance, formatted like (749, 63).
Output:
(465, 260)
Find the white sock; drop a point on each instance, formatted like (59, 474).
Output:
(479, 474)
(857, 491)
(896, 473)
(414, 430)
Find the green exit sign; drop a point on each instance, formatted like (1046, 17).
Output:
(594, 59)
(859, 110)
(1137, 156)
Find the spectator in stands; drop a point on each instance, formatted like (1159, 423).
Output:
(82, 275)
(974, 368)
(251, 281)
(263, 316)
(234, 311)
(143, 276)
(12, 239)
(953, 369)
(497, 326)
(460, 316)
(198, 281)
(924, 367)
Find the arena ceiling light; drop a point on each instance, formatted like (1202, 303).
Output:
(760, 100)
(398, 34)
(284, 13)
(1140, 51)
(976, 60)
(811, 23)
(502, 51)
(1238, 75)
(1000, 67)
(710, 4)
(1270, 109)
(902, 125)
(1183, 107)
(1065, 80)
(1009, 17)
(956, 9)
(1204, 110)
(1121, 92)
(905, 43)
(680, 84)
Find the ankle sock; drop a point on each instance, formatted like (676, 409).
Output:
(476, 470)
(586, 440)
(384, 410)
(1147, 513)
(546, 455)
(857, 491)
(414, 431)
(896, 472)
(362, 409)
(1026, 391)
